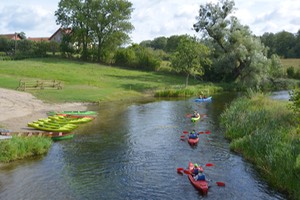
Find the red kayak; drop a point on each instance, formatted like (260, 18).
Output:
(193, 141)
(200, 185)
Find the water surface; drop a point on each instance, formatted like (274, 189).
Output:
(132, 152)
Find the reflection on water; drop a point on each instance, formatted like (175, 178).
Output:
(132, 153)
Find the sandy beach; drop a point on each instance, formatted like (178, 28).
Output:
(18, 108)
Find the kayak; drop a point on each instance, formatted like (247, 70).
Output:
(193, 141)
(76, 113)
(56, 125)
(200, 185)
(70, 120)
(61, 136)
(193, 119)
(203, 99)
(49, 128)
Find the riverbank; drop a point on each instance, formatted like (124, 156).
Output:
(264, 131)
(18, 108)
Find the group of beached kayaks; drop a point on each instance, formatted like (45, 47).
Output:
(61, 124)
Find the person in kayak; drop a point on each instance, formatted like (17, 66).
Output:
(196, 170)
(200, 176)
(193, 135)
(196, 114)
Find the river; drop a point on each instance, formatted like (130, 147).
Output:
(132, 152)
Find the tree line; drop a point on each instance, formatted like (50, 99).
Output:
(226, 50)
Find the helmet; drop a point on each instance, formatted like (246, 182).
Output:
(196, 165)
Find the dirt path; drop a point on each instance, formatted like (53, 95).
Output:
(19, 108)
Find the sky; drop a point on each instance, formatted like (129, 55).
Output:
(154, 18)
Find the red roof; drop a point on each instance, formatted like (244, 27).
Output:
(12, 36)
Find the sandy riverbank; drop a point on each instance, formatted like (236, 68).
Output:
(18, 108)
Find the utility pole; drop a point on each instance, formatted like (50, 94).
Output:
(15, 43)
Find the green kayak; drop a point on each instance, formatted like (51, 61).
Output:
(49, 128)
(76, 113)
(70, 120)
(61, 136)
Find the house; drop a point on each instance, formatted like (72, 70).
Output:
(58, 35)
(13, 36)
(38, 39)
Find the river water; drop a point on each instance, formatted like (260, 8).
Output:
(132, 152)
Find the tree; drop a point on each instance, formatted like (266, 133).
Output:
(284, 43)
(173, 42)
(98, 24)
(74, 14)
(159, 43)
(239, 56)
(269, 40)
(190, 57)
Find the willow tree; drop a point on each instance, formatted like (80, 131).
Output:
(189, 58)
(96, 24)
(239, 55)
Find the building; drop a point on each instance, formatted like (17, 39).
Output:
(58, 35)
(13, 36)
(38, 39)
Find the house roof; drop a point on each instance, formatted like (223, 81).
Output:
(64, 30)
(13, 36)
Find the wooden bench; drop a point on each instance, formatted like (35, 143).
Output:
(39, 84)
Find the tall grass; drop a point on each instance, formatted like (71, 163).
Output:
(22, 147)
(265, 132)
(182, 91)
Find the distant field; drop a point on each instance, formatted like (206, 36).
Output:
(291, 62)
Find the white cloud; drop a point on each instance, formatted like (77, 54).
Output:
(154, 18)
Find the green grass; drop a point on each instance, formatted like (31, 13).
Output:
(86, 82)
(265, 132)
(22, 147)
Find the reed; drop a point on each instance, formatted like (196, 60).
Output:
(21, 147)
(182, 91)
(265, 132)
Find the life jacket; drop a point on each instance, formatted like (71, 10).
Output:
(201, 177)
(195, 171)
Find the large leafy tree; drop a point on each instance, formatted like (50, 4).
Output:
(239, 56)
(96, 24)
(190, 57)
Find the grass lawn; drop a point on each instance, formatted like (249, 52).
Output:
(85, 82)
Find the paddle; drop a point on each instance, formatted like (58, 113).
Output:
(179, 170)
(185, 132)
(209, 164)
(182, 137)
(206, 132)
(220, 183)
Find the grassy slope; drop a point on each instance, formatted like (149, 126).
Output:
(84, 81)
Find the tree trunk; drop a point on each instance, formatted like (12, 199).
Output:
(187, 80)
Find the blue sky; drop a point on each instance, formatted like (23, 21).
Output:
(154, 18)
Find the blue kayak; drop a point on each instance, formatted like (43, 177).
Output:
(203, 99)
